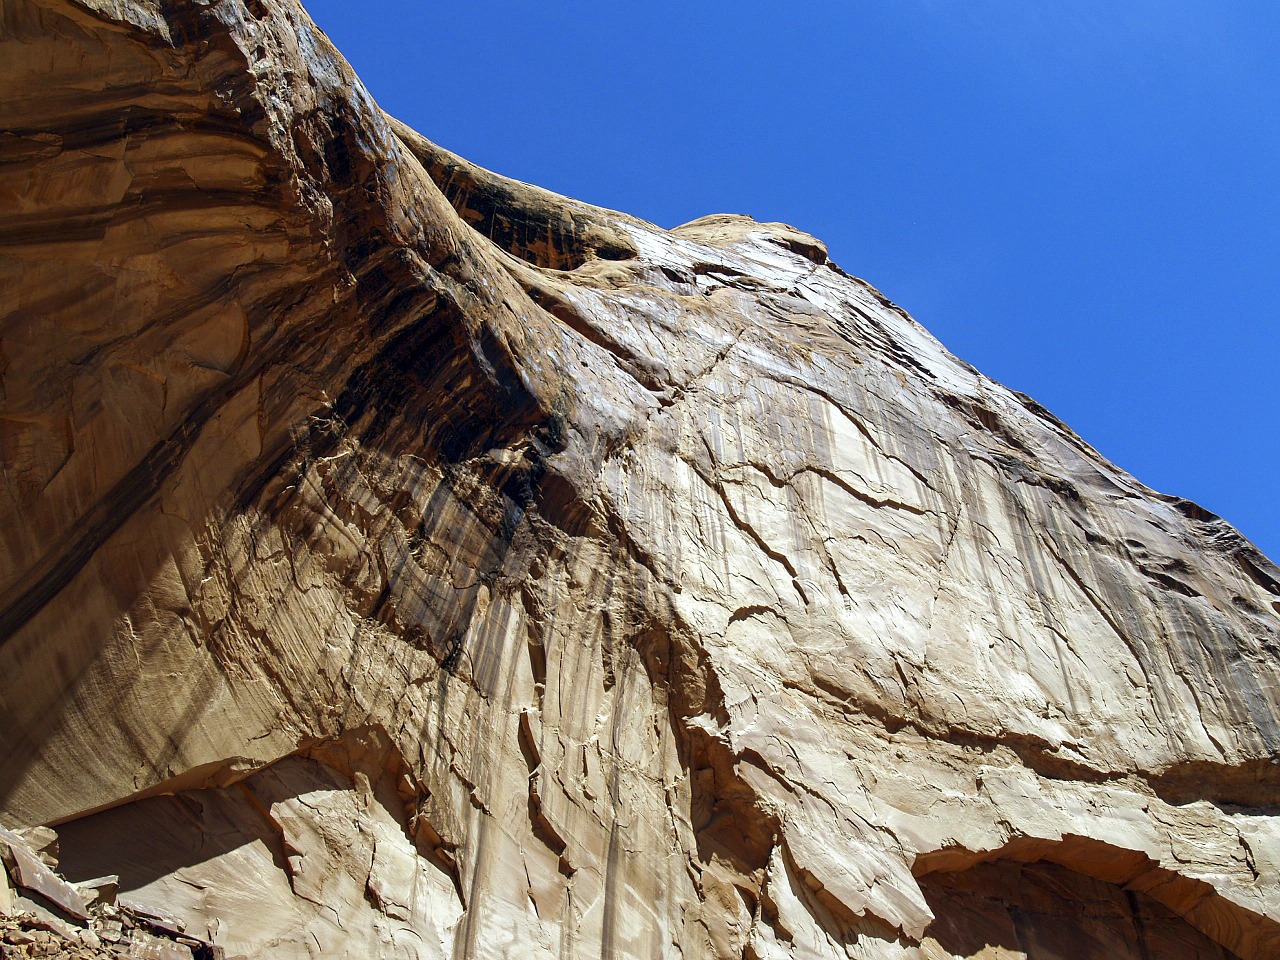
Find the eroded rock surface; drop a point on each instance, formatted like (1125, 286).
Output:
(403, 561)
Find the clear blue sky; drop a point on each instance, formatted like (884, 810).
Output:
(1080, 198)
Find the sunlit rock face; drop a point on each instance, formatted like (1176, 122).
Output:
(401, 561)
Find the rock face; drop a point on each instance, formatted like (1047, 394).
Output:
(401, 561)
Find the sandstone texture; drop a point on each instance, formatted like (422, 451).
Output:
(401, 561)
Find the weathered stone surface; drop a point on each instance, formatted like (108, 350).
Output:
(398, 560)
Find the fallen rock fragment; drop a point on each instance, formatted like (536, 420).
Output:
(30, 874)
(7, 893)
(153, 918)
(43, 842)
(145, 946)
(99, 891)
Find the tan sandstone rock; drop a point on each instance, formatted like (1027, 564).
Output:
(397, 560)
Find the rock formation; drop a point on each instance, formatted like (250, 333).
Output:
(401, 561)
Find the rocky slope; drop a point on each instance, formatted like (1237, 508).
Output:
(401, 561)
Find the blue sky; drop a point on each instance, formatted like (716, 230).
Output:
(1082, 199)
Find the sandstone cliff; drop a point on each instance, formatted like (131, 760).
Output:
(400, 561)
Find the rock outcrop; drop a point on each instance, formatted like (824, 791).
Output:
(402, 561)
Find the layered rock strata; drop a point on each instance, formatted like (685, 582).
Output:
(402, 561)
